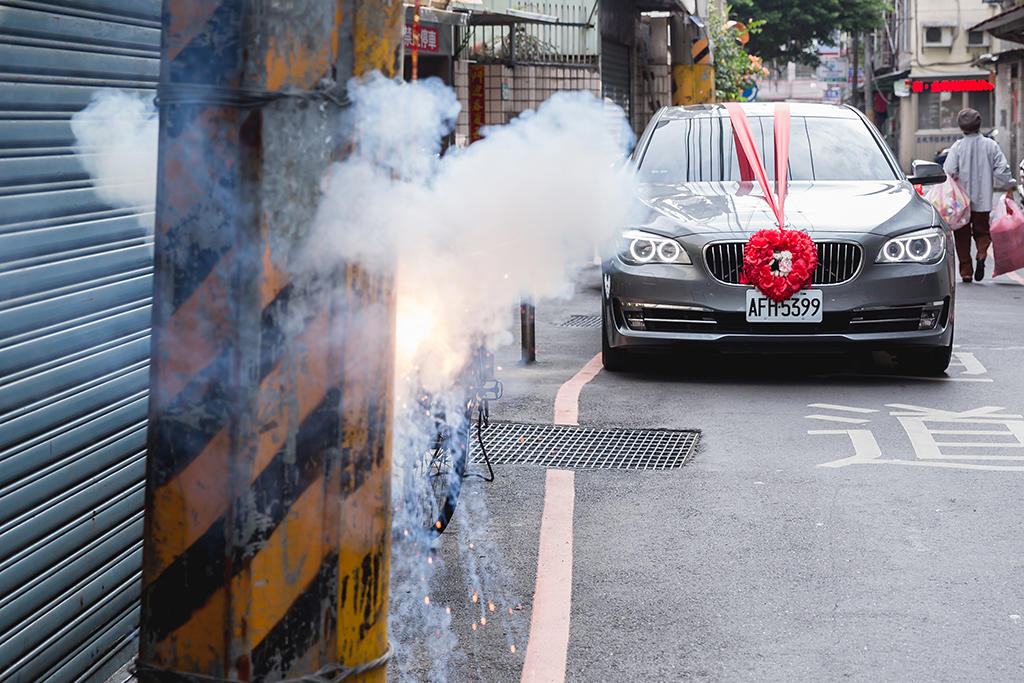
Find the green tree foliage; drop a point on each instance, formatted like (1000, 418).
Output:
(735, 69)
(791, 26)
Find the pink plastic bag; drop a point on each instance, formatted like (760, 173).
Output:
(1008, 239)
(951, 202)
(998, 208)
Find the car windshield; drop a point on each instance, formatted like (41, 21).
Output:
(702, 149)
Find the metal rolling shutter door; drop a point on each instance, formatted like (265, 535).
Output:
(615, 80)
(75, 280)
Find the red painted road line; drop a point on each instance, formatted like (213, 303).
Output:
(567, 401)
(1016, 278)
(548, 643)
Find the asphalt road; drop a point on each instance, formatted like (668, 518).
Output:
(755, 561)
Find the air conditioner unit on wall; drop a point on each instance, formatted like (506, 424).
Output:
(937, 36)
(978, 39)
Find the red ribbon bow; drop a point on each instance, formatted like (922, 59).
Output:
(750, 160)
(765, 246)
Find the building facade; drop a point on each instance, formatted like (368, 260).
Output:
(503, 58)
(941, 51)
(1007, 67)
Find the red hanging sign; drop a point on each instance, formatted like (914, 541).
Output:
(477, 101)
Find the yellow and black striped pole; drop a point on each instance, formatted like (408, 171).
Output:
(267, 492)
(693, 71)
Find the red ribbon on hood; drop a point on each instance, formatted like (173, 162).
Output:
(750, 160)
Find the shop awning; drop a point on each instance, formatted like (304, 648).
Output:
(891, 76)
(1008, 25)
(1014, 55)
(510, 17)
(688, 6)
(885, 82)
(469, 13)
(431, 15)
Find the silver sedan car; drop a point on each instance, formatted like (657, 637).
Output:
(885, 274)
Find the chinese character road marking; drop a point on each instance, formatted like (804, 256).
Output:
(839, 418)
(865, 447)
(967, 361)
(961, 359)
(1003, 445)
(915, 419)
(849, 409)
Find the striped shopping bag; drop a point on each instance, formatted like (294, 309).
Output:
(950, 200)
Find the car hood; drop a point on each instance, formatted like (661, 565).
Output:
(879, 207)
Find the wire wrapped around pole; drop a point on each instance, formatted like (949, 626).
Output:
(247, 98)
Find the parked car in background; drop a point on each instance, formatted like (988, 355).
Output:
(885, 275)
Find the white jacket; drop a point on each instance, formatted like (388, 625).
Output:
(977, 163)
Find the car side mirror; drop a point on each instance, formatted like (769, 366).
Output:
(926, 173)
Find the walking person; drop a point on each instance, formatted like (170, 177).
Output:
(977, 163)
(881, 110)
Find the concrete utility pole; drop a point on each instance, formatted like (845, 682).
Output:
(855, 90)
(869, 74)
(267, 494)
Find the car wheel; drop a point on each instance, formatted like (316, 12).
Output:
(613, 360)
(926, 362)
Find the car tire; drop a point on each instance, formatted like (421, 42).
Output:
(613, 360)
(928, 362)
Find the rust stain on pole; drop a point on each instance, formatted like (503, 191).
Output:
(377, 36)
(267, 494)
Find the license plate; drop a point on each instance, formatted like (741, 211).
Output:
(803, 307)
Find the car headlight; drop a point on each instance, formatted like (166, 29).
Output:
(923, 246)
(639, 247)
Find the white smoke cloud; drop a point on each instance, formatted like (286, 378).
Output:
(467, 235)
(514, 214)
(116, 141)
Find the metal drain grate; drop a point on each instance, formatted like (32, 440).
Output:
(583, 321)
(585, 448)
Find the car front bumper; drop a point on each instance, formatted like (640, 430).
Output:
(656, 305)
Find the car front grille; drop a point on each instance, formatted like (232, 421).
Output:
(838, 262)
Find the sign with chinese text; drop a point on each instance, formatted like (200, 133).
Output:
(429, 39)
(952, 85)
(477, 101)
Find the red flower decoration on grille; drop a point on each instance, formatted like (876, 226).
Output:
(779, 262)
